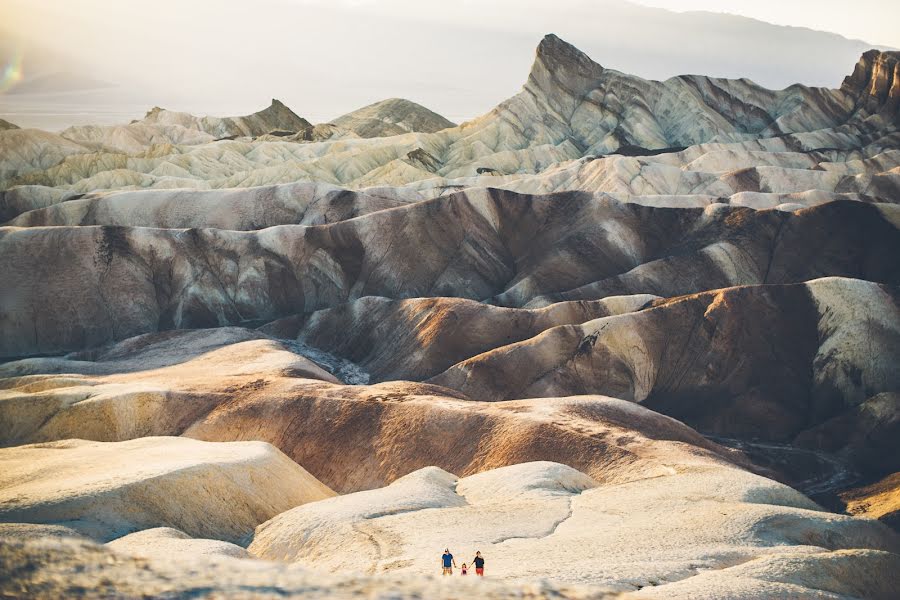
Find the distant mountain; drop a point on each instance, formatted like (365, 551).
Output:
(276, 117)
(162, 126)
(393, 116)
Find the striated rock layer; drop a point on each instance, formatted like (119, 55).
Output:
(510, 249)
(686, 135)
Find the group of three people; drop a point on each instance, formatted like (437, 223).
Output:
(448, 562)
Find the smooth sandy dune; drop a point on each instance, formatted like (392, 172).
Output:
(166, 542)
(106, 490)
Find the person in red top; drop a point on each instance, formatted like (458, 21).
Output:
(479, 564)
(464, 570)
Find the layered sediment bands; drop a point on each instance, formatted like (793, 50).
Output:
(570, 109)
(418, 338)
(759, 362)
(240, 209)
(232, 384)
(490, 244)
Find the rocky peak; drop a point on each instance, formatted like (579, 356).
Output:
(279, 116)
(561, 73)
(875, 83)
(554, 52)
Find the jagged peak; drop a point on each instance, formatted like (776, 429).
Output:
(561, 72)
(875, 81)
(555, 52)
(286, 118)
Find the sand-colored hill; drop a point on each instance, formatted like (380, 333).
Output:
(106, 490)
(547, 520)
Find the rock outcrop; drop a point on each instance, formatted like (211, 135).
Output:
(238, 209)
(875, 83)
(421, 337)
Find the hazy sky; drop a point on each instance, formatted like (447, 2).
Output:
(876, 21)
(458, 57)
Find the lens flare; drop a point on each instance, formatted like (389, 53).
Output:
(12, 73)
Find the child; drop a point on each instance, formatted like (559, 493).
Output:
(463, 568)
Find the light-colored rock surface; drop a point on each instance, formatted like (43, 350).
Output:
(165, 542)
(166, 380)
(67, 568)
(549, 521)
(165, 127)
(839, 574)
(736, 137)
(106, 490)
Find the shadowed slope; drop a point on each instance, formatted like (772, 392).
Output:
(760, 362)
(483, 244)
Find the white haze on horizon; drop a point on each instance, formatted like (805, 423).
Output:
(326, 57)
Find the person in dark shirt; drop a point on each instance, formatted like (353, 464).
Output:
(447, 562)
(479, 564)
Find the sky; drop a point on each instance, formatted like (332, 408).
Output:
(876, 21)
(459, 57)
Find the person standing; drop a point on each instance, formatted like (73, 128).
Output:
(447, 562)
(479, 564)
